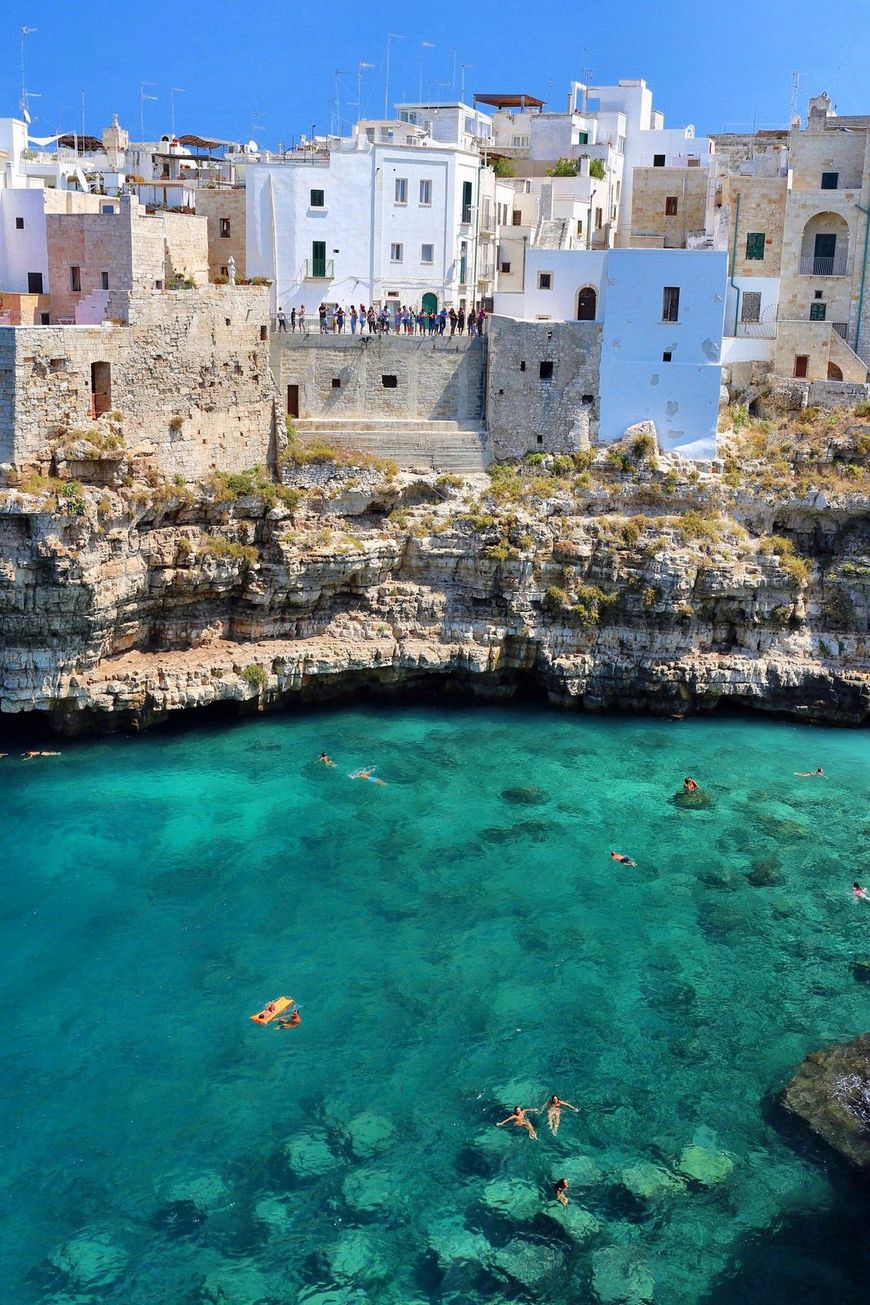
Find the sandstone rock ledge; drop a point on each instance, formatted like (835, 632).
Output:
(831, 1093)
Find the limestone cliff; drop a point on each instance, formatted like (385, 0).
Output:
(619, 580)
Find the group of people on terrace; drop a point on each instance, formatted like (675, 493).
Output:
(400, 319)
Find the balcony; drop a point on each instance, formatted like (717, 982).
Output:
(318, 269)
(812, 265)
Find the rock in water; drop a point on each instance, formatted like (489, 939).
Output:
(831, 1093)
(512, 1197)
(618, 1274)
(91, 1260)
(705, 1165)
(697, 801)
(524, 795)
(370, 1134)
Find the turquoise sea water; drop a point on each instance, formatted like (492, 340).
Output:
(459, 943)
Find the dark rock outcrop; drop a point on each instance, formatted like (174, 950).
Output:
(831, 1093)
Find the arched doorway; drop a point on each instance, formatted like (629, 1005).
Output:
(825, 245)
(834, 372)
(587, 303)
(430, 303)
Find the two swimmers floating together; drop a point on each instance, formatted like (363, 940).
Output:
(519, 1116)
(368, 773)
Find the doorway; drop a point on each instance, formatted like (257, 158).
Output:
(430, 303)
(587, 303)
(292, 400)
(101, 388)
(824, 252)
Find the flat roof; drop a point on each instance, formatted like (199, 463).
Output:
(510, 101)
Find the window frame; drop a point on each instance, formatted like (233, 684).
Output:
(670, 303)
(826, 182)
(397, 257)
(400, 188)
(753, 297)
(755, 242)
(672, 205)
(818, 310)
(225, 227)
(423, 259)
(75, 279)
(421, 202)
(542, 276)
(312, 202)
(19, 223)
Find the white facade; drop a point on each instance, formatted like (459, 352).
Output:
(371, 223)
(665, 371)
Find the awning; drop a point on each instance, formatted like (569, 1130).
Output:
(203, 142)
(510, 101)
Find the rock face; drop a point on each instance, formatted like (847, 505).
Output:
(831, 1092)
(660, 590)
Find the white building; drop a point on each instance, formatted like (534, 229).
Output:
(389, 216)
(661, 314)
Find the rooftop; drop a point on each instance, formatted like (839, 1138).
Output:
(510, 101)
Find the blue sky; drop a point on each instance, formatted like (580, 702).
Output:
(268, 69)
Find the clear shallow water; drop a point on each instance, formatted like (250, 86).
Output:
(456, 948)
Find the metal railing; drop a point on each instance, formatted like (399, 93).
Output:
(812, 265)
(842, 329)
(319, 269)
(756, 330)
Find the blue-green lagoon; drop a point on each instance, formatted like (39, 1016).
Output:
(459, 942)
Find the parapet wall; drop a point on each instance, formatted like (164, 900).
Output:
(429, 378)
(543, 388)
(188, 369)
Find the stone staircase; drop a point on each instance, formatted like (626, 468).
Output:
(438, 445)
(552, 233)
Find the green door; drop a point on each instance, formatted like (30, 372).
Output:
(466, 201)
(318, 258)
(430, 303)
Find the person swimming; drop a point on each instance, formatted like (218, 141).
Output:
(553, 1108)
(293, 1020)
(623, 860)
(28, 756)
(811, 774)
(860, 894)
(369, 775)
(560, 1191)
(518, 1116)
(325, 760)
(690, 785)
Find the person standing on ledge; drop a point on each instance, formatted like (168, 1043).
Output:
(293, 320)
(282, 320)
(302, 326)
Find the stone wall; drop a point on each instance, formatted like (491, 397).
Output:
(230, 204)
(650, 224)
(344, 376)
(528, 412)
(762, 210)
(189, 371)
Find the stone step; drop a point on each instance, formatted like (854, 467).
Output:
(453, 450)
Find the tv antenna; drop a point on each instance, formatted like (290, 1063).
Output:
(360, 69)
(25, 32)
(142, 98)
(391, 36)
(173, 91)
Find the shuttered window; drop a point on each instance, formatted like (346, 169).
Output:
(755, 245)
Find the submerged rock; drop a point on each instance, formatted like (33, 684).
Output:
(515, 1198)
(275, 1213)
(370, 1134)
(91, 1260)
(831, 1093)
(765, 875)
(451, 1242)
(310, 1155)
(580, 1170)
(356, 1258)
(619, 1275)
(369, 1190)
(581, 1225)
(697, 801)
(207, 1190)
(531, 1264)
(526, 795)
(649, 1182)
(704, 1165)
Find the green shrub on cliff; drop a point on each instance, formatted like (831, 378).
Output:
(255, 676)
(220, 546)
(588, 603)
(783, 549)
(255, 482)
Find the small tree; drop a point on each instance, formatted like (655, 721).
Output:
(504, 167)
(563, 168)
(596, 169)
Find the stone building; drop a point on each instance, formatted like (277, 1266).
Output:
(184, 374)
(224, 209)
(671, 207)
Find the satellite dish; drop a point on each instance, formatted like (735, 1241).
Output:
(27, 118)
(252, 147)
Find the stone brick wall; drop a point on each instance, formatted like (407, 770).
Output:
(436, 379)
(189, 372)
(217, 204)
(762, 210)
(528, 413)
(650, 224)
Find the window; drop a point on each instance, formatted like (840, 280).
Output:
(583, 138)
(107, 208)
(755, 245)
(19, 224)
(667, 355)
(318, 258)
(545, 280)
(599, 218)
(545, 371)
(522, 366)
(817, 294)
(658, 160)
(670, 206)
(829, 180)
(519, 142)
(620, 144)
(395, 253)
(389, 382)
(225, 271)
(427, 253)
(540, 439)
(801, 365)
(750, 308)
(425, 192)
(336, 382)
(317, 199)
(75, 279)
(818, 311)
(579, 226)
(225, 228)
(671, 303)
(587, 398)
(264, 333)
(34, 283)
(466, 201)
(401, 190)
(505, 267)
(104, 280)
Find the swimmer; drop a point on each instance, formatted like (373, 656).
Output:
(860, 894)
(518, 1117)
(561, 1191)
(369, 775)
(811, 774)
(27, 756)
(690, 785)
(292, 1022)
(623, 860)
(325, 760)
(553, 1108)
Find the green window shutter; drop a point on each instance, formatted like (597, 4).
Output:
(755, 245)
(466, 201)
(818, 312)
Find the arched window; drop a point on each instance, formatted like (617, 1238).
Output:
(834, 373)
(587, 304)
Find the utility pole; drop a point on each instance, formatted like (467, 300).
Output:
(83, 118)
(173, 91)
(142, 98)
(424, 45)
(25, 32)
(391, 36)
